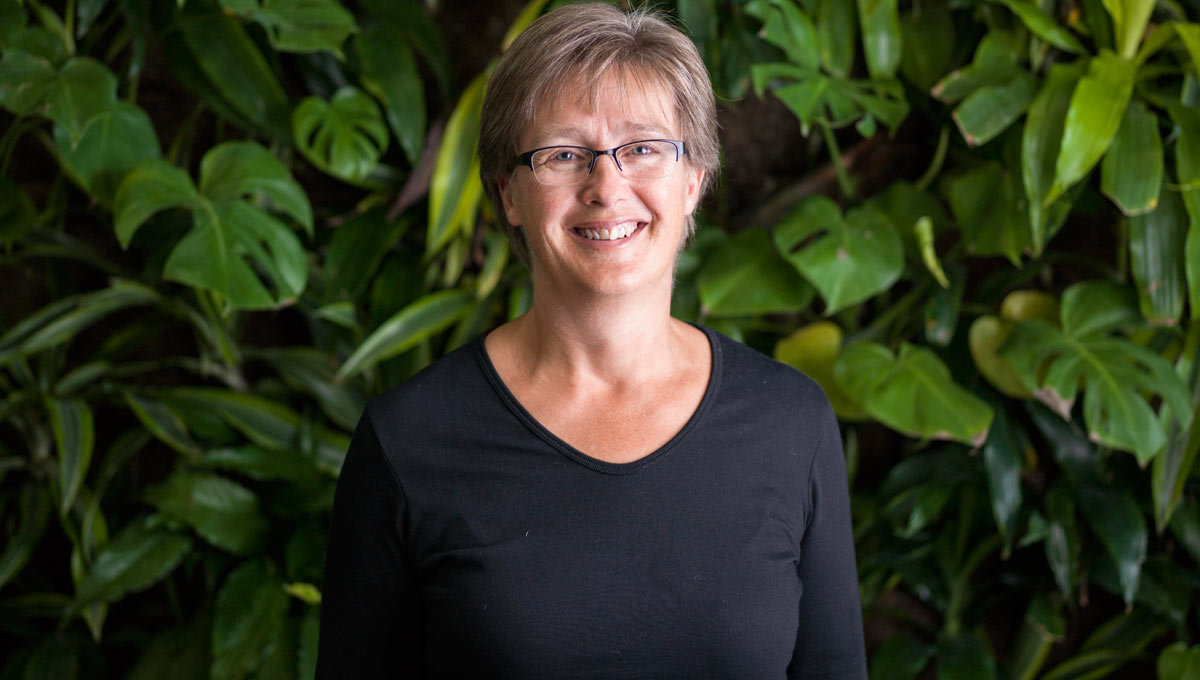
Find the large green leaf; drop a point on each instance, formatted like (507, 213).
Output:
(308, 370)
(162, 422)
(988, 111)
(747, 276)
(70, 96)
(996, 61)
(413, 18)
(390, 73)
(1002, 459)
(1132, 172)
(1043, 25)
(75, 438)
(813, 350)
(819, 99)
(848, 259)
(409, 326)
(111, 145)
(137, 558)
(176, 654)
(250, 607)
(1156, 240)
(299, 25)
(227, 230)
(1097, 109)
(986, 203)
(837, 28)
(1115, 374)
(59, 322)
(1187, 170)
(929, 44)
(266, 423)
(1040, 143)
(222, 511)
(455, 187)
(1042, 628)
(1129, 18)
(881, 37)
(1177, 662)
(12, 22)
(34, 511)
(357, 249)
(964, 657)
(900, 657)
(233, 67)
(345, 136)
(790, 28)
(913, 393)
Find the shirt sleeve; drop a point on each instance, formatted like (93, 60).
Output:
(829, 641)
(370, 619)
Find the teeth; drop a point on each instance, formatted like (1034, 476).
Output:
(617, 232)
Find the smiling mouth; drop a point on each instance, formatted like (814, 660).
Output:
(616, 233)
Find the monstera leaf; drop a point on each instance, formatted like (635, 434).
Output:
(68, 95)
(112, 144)
(227, 229)
(1116, 375)
(344, 136)
(912, 393)
(848, 259)
(299, 25)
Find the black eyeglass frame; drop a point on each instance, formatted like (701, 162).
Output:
(526, 158)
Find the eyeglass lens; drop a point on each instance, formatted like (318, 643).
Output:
(567, 165)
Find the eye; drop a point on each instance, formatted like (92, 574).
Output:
(641, 150)
(564, 156)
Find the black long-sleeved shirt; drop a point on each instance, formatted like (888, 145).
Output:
(469, 541)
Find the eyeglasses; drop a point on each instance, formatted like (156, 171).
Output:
(563, 166)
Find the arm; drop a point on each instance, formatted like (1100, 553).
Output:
(370, 622)
(829, 641)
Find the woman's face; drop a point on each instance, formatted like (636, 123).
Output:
(561, 223)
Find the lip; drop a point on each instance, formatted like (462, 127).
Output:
(607, 224)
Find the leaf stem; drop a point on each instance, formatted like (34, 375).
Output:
(835, 156)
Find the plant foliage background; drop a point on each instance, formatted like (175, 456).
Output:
(225, 224)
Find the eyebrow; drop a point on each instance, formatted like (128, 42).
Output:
(550, 135)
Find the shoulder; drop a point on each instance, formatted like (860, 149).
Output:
(431, 392)
(746, 371)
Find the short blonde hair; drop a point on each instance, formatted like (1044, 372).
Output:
(579, 44)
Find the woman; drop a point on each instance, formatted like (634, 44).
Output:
(595, 489)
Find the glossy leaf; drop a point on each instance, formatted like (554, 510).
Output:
(12, 22)
(929, 45)
(412, 17)
(1003, 459)
(881, 37)
(1177, 662)
(111, 145)
(250, 607)
(163, 423)
(1043, 25)
(1040, 143)
(1173, 467)
(299, 25)
(1062, 540)
(1187, 170)
(247, 170)
(1042, 628)
(847, 259)
(416, 322)
(816, 98)
(233, 66)
(312, 372)
(913, 393)
(1114, 372)
(20, 544)
(1156, 240)
(747, 276)
(1132, 172)
(344, 137)
(1129, 19)
(152, 186)
(813, 349)
(1118, 522)
(176, 654)
(70, 96)
(455, 188)
(790, 28)
(986, 204)
(310, 629)
(1097, 109)
(259, 463)
(390, 73)
(996, 62)
(136, 558)
(222, 511)
(267, 423)
(60, 321)
(75, 438)
(1185, 527)
(357, 249)
(837, 31)
(988, 111)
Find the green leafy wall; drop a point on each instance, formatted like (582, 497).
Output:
(224, 225)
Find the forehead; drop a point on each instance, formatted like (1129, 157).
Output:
(620, 102)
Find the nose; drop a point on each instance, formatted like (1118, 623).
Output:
(605, 183)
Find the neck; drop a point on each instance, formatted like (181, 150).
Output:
(611, 340)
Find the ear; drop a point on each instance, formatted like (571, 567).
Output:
(504, 184)
(695, 180)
